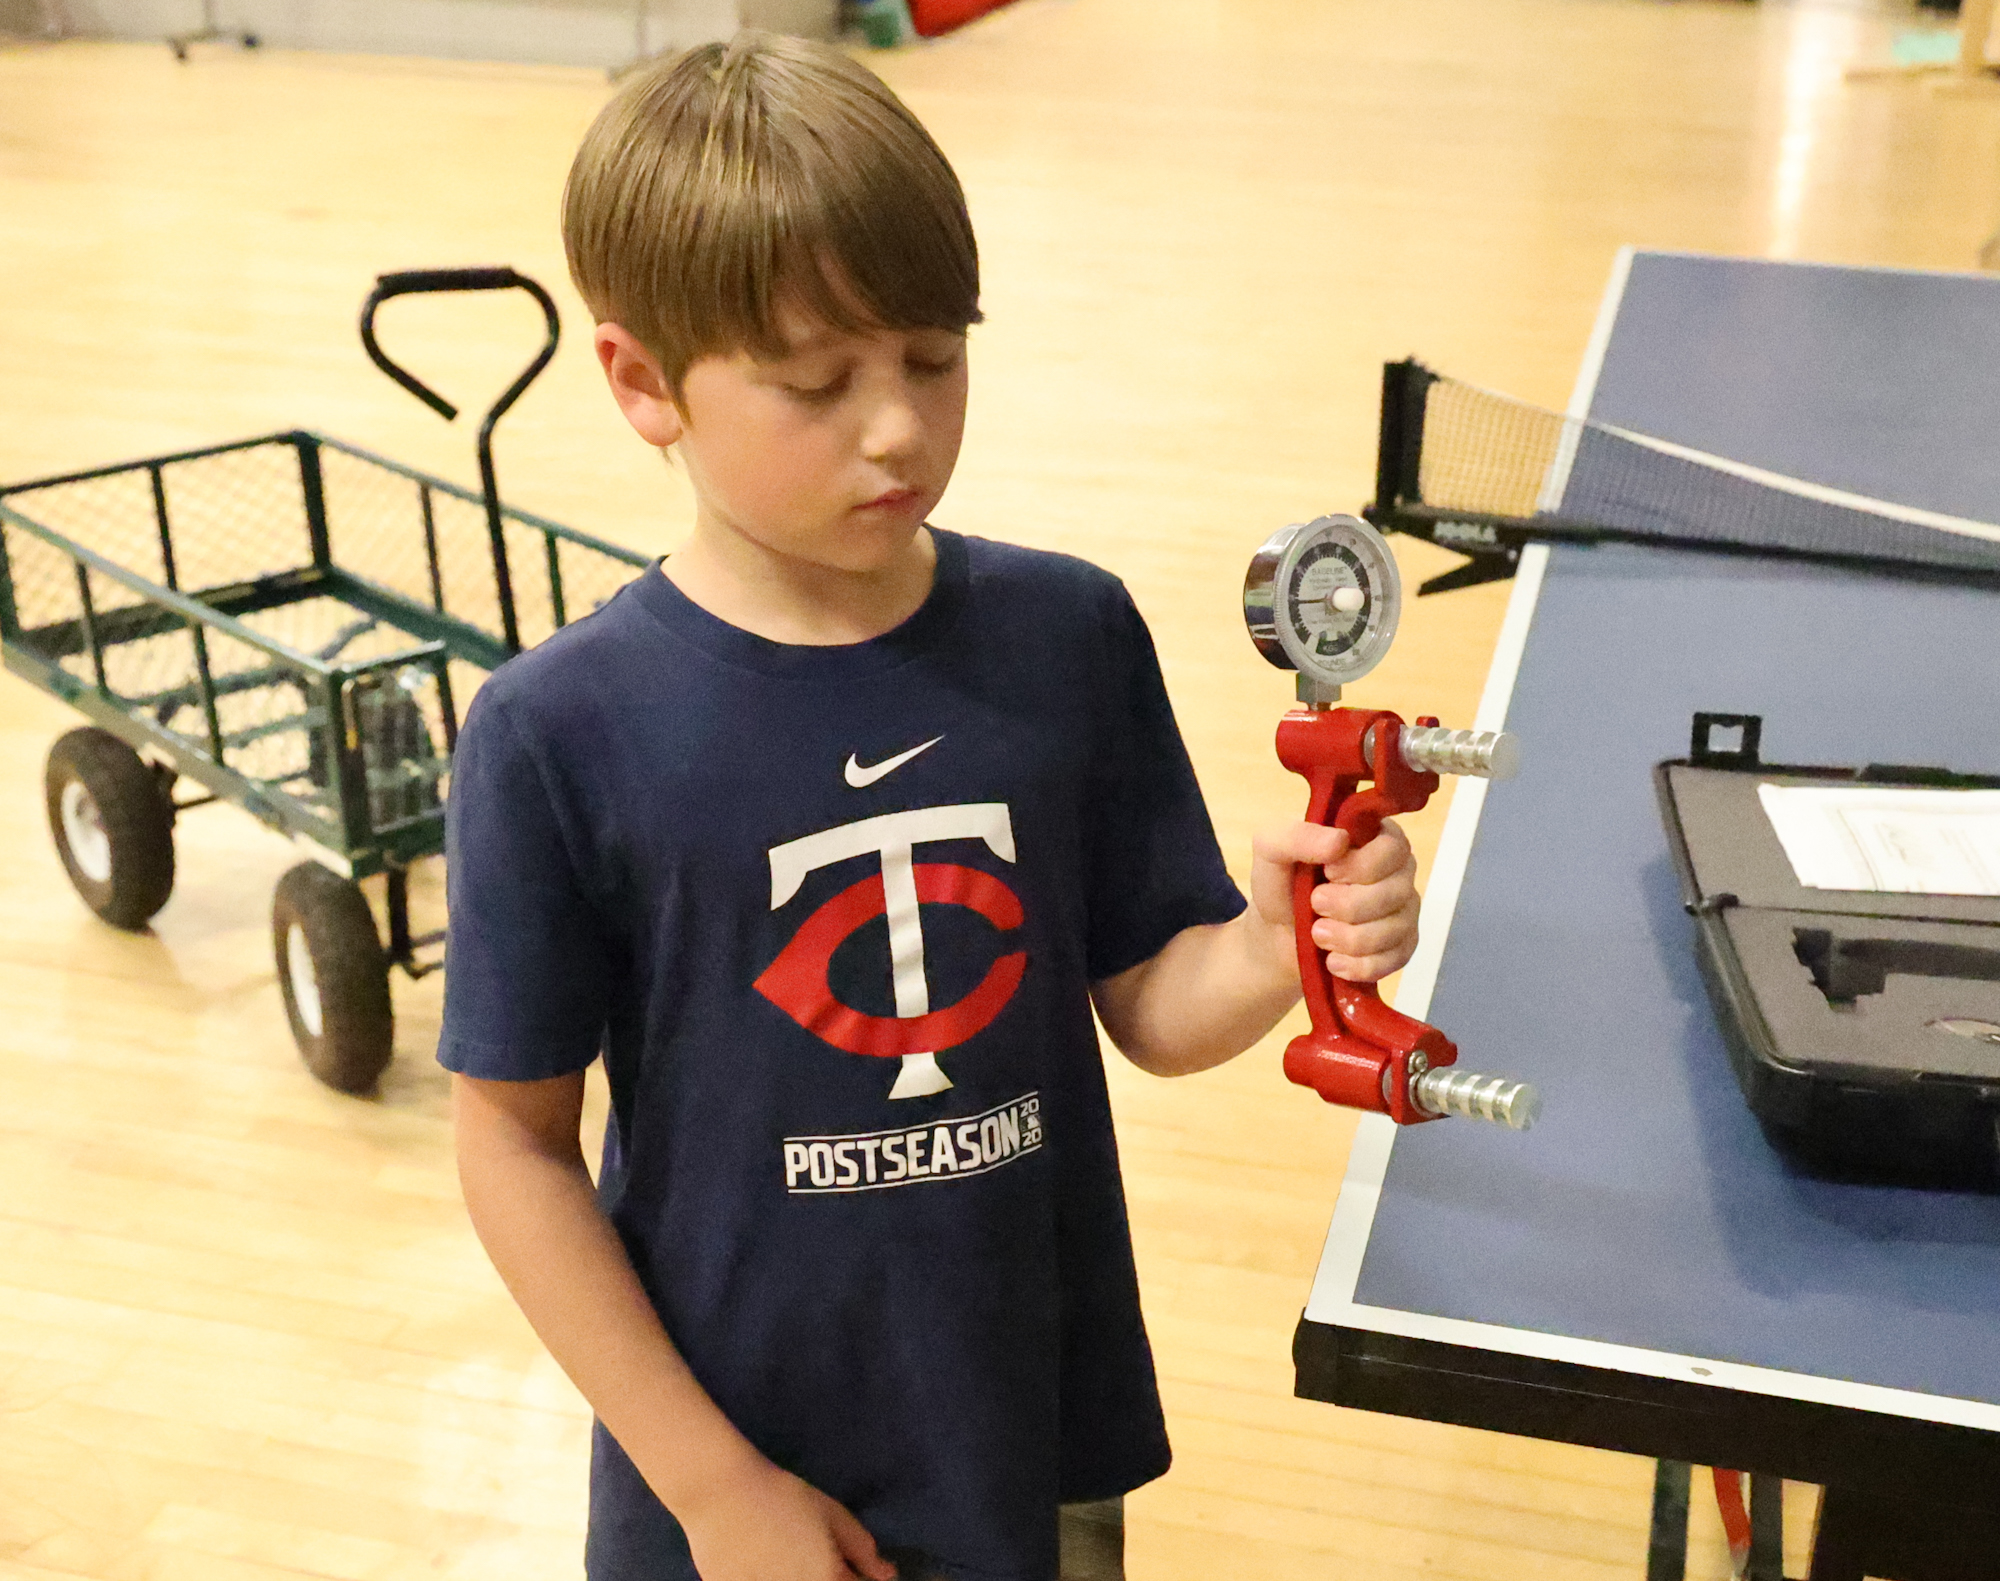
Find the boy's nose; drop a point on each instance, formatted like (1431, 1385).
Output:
(893, 429)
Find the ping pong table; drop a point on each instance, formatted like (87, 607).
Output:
(1641, 1272)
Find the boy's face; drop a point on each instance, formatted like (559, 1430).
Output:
(832, 456)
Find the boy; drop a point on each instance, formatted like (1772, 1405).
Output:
(828, 832)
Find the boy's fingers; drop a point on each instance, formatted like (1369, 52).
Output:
(1366, 902)
(1387, 853)
(1368, 968)
(1360, 941)
(857, 1547)
(1302, 842)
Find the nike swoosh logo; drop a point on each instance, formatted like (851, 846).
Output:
(860, 777)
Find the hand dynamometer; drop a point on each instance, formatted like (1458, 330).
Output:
(1323, 598)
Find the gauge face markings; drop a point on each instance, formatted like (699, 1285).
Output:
(1322, 598)
(1322, 571)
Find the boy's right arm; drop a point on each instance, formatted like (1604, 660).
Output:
(529, 1192)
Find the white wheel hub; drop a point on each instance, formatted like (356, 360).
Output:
(83, 832)
(305, 984)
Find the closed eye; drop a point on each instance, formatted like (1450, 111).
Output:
(819, 395)
(825, 394)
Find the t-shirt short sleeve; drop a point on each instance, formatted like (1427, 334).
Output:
(527, 979)
(1155, 866)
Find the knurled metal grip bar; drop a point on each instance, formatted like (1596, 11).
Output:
(1471, 1096)
(420, 281)
(1433, 749)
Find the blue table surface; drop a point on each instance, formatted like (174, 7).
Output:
(1646, 1209)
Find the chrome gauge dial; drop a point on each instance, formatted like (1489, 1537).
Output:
(1323, 599)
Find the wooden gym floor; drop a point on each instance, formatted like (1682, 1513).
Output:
(245, 1332)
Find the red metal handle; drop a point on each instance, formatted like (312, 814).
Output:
(1359, 1049)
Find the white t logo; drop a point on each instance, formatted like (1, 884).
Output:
(894, 837)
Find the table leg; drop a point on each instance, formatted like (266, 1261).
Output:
(1837, 1539)
(1767, 1527)
(1975, 22)
(1869, 1534)
(1666, 1557)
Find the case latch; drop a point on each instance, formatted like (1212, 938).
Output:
(1703, 752)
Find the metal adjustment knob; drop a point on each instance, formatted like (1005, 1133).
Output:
(1449, 1090)
(1432, 749)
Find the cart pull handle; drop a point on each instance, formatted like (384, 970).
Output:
(414, 282)
(411, 282)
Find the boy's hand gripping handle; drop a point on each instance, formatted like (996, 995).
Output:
(1360, 1053)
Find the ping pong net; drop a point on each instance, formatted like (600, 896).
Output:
(1484, 474)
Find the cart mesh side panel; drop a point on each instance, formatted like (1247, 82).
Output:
(237, 516)
(589, 577)
(269, 716)
(377, 528)
(534, 601)
(47, 599)
(361, 747)
(112, 515)
(328, 629)
(149, 674)
(231, 517)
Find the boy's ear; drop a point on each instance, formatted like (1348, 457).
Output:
(638, 385)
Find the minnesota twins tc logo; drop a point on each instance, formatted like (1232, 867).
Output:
(796, 982)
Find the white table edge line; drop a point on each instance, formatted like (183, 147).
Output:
(1771, 1381)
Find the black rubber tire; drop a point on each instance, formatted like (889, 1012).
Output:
(132, 806)
(350, 974)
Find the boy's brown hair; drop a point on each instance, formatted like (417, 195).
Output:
(717, 183)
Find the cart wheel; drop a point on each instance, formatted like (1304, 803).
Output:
(113, 826)
(334, 976)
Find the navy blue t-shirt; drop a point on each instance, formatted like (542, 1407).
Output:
(831, 915)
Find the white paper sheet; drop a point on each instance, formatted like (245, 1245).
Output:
(1890, 840)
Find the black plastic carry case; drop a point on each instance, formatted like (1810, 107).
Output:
(1864, 1027)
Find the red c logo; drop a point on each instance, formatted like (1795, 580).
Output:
(796, 982)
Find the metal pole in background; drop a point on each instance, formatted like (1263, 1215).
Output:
(640, 54)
